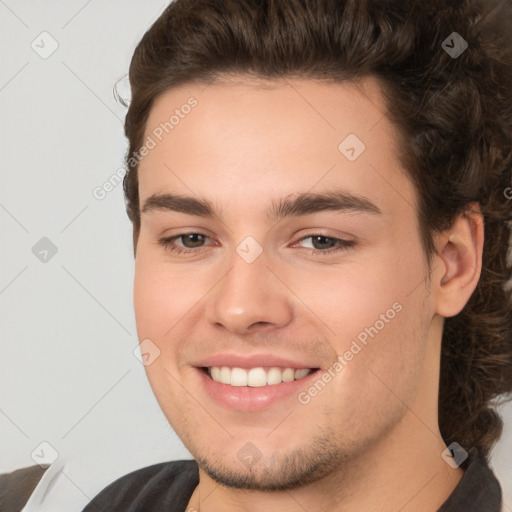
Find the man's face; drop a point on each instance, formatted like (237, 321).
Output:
(337, 292)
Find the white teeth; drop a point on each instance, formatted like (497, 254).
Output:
(299, 374)
(225, 375)
(238, 377)
(274, 376)
(215, 373)
(288, 375)
(256, 377)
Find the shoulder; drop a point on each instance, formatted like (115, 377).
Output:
(478, 490)
(17, 486)
(149, 489)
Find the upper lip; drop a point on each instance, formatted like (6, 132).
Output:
(253, 361)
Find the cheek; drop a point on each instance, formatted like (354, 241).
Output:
(151, 298)
(352, 299)
(381, 348)
(373, 314)
(374, 291)
(160, 303)
(162, 295)
(378, 371)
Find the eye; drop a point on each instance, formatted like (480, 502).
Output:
(194, 242)
(322, 244)
(190, 241)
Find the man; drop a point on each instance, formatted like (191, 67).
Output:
(318, 195)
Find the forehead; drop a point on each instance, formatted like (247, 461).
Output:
(242, 139)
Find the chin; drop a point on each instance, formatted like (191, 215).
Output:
(249, 469)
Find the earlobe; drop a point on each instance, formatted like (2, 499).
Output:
(459, 262)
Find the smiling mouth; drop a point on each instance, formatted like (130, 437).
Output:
(256, 377)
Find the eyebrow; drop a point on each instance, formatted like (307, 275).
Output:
(302, 204)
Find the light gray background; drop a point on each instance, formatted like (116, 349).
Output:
(68, 374)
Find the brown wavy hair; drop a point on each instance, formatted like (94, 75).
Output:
(453, 117)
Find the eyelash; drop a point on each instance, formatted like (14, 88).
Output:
(342, 244)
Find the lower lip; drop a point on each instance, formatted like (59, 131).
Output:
(251, 399)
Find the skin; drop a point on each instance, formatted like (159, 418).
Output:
(370, 439)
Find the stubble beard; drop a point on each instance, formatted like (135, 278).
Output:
(281, 472)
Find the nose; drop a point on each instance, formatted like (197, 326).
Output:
(249, 298)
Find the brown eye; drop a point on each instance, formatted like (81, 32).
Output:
(192, 240)
(323, 242)
(184, 243)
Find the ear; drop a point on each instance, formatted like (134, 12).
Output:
(458, 262)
